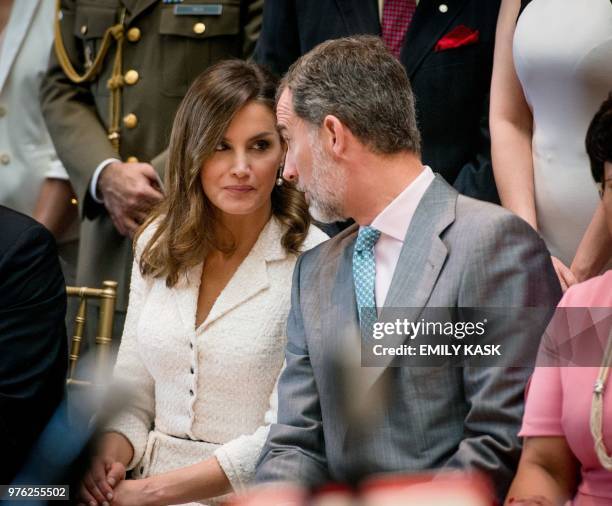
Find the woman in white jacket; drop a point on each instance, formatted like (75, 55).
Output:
(204, 338)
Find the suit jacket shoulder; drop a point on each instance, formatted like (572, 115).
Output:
(332, 246)
(27, 254)
(484, 220)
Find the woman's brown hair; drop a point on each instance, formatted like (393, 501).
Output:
(185, 219)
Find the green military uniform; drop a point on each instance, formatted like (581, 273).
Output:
(165, 45)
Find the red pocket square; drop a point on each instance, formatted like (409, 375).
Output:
(459, 36)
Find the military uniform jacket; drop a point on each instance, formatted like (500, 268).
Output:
(163, 52)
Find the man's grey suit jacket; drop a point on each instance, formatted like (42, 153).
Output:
(458, 252)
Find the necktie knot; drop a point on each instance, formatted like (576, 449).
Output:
(367, 239)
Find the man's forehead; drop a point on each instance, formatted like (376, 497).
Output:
(284, 110)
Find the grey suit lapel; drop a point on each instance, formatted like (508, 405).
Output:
(341, 321)
(419, 264)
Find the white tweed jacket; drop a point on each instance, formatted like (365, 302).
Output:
(211, 390)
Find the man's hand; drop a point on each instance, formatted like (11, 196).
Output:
(98, 483)
(129, 191)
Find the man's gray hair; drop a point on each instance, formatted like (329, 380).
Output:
(360, 82)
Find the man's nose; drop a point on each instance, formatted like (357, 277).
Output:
(290, 172)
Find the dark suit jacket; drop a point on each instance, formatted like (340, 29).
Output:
(451, 87)
(33, 344)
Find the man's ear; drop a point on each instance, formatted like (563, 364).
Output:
(334, 135)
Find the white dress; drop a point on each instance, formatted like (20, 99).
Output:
(563, 58)
(195, 393)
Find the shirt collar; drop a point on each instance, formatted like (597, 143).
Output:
(395, 219)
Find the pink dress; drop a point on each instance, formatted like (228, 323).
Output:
(559, 403)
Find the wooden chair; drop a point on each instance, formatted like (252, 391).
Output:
(107, 296)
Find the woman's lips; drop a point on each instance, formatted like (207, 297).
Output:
(239, 188)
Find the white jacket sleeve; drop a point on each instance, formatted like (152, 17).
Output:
(47, 160)
(134, 421)
(55, 169)
(238, 457)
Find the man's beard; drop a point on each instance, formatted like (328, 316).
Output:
(327, 187)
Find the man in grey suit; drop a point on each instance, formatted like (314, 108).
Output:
(346, 111)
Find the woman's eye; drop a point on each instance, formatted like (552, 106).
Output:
(222, 146)
(261, 145)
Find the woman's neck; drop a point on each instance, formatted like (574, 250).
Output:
(242, 231)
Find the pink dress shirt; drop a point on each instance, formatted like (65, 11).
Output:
(559, 403)
(393, 223)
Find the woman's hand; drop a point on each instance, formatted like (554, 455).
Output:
(136, 493)
(565, 275)
(547, 474)
(99, 481)
(186, 484)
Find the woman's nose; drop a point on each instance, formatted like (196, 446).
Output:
(241, 166)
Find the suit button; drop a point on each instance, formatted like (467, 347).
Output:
(131, 159)
(131, 77)
(2, 111)
(5, 159)
(199, 28)
(142, 470)
(191, 345)
(134, 34)
(130, 120)
(191, 370)
(191, 393)
(443, 8)
(83, 29)
(74, 201)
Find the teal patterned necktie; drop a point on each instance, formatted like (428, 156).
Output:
(364, 276)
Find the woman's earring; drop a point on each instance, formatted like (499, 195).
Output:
(279, 179)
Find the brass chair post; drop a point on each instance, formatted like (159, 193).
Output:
(105, 330)
(77, 336)
(104, 335)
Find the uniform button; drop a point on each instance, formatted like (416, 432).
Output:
(443, 8)
(134, 34)
(5, 159)
(191, 345)
(199, 28)
(131, 159)
(142, 470)
(191, 369)
(191, 393)
(131, 77)
(74, 202)
(83, 29)
(130, 120)
(2, 111)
